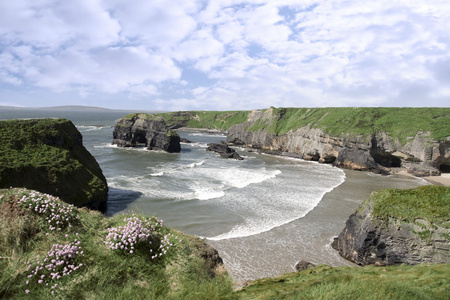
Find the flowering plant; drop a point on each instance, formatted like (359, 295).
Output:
(60, 260)
(140, 233)
(57, 214)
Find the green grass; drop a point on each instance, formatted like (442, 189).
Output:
(105, 273)
(324, 282)
(181, 273)
(400, 123)
(431, 203)
(45, 154)
(198, 119)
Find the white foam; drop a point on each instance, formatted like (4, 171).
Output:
(273, 206)
(159, 174)
(196, 164)
(207, 134)
(85, 128)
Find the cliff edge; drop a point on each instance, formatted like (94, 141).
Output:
(399, 226)
(48, 155)
(382, 140)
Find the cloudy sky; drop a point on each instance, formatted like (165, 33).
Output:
(224, 54)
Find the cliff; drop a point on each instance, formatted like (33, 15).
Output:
(399, 226)
(48, 155)
(145, 129)
(373, 139)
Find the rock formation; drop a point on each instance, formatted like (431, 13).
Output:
(48, 155)
(399, 226)
(224, 150)
(379, 152)
(148, 130)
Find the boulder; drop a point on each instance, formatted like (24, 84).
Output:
(303, 265)
(48, 155)
(399, 226)
(147, 130)
(224, 150)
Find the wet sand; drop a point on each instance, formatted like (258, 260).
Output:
(275, 252)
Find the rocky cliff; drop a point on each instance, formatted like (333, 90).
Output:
(399, 226)
(372, 139)
(48, 155)
(145, 129)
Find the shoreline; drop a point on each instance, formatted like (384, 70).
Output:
(443, 179)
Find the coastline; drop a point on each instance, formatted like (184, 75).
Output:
(309, 238)
(443, 179)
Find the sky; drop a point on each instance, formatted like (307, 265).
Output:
(224, 54)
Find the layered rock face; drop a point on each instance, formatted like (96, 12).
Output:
(48, 155)
(394, 238)
(147, 130)
(420, 155)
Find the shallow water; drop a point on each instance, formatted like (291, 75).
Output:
(263, 214)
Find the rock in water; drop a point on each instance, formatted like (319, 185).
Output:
(399, 226)
(224, 150)
(48, 155)
(145, 129)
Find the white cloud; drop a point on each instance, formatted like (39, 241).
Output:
(245, 53)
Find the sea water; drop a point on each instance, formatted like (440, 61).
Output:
(262, 214)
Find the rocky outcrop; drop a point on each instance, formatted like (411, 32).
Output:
(147, 130)
(224, 150)
(379, 152)
(412, 233)
(48, 155)
(303, 265)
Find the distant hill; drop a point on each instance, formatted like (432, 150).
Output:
(73, 108)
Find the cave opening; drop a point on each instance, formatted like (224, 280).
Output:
(444, 168)
(140, 141)
(385, 159)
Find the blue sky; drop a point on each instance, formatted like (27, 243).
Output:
(224, 54)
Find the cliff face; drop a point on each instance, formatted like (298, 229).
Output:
(395, 227)
(377, 151)
(147, 130)
(48, 155)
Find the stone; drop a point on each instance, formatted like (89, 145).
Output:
(147, 130)
(303, 265)
(224, 150)
(367, 240)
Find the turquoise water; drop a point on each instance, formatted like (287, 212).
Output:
(263, 213)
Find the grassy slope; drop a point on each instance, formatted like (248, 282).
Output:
(181, 274)
(324, 282)
(105, 274)
(397, 122)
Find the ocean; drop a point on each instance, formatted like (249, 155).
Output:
(263, 214)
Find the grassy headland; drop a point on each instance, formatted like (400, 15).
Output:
(399, 123)
(48, 155)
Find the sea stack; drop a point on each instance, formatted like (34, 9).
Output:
(145, 129)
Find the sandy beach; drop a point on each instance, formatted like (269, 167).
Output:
(444, 179)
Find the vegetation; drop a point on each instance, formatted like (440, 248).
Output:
(324, 282)
(81, 254)
(431, 203)
(48, 155)
(90, 256)
(198, 119)
(340, 121)
(400, 123)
